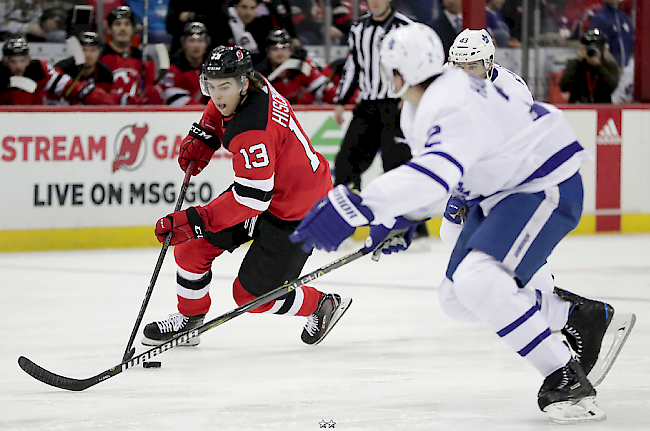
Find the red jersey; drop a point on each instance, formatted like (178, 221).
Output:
(276, 168)
(181, 85)
(301, 87)
(127, 71)
(53, 83)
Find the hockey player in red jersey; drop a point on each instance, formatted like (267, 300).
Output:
(294, 76)
(278, 177)
(126, 61)
(180, 84)
(24, 81)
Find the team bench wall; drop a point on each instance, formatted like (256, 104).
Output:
(82, 177)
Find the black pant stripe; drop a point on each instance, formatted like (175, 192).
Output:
(195, 284)
(288, 303)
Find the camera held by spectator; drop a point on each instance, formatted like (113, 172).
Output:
(593, 75)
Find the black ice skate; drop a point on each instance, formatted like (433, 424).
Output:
(567, 396)
(589, 321)
(157, 333)
(420, 241)
(330, 309)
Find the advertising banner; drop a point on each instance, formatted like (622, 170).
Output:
(76, 169)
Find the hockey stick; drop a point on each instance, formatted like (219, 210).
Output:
(23, 83)
(130, 351)
(291, 64)
(163, 56)
(77, 52)
(145, 40)
(70, 384)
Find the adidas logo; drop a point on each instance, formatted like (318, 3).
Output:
(609, 134)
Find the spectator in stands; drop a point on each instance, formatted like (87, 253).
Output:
(108, 5)
(594, 74)
(26, 18)
(308, 18)
(280, 13)
(290, 71)
(181, 84)
(578, 14)
(417, 10)
(449, 23)
(496, 25)
(624, 92)
(92, 71)
(212, 13)
(131, 83)
(24, 81)
(157, 15)
(249, 30)
(618, 28)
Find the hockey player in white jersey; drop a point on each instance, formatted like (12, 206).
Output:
(473, 52)
(520, 159)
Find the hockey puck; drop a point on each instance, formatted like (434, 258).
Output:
(152, 364)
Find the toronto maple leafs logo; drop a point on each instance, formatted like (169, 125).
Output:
(486, 39)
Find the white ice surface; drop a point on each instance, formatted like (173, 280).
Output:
(394, 362)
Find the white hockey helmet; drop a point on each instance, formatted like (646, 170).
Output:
(473, 45)
(415, 51)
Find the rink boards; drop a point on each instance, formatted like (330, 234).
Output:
(84, 177)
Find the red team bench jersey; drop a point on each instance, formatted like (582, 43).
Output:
(127, 71)
(276, 168)
(52, 82)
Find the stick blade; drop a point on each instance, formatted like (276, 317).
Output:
(23, 83)
(49, 378)
(163, 56)
(76, 50)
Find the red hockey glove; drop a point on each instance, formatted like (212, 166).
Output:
(200, 144)
(151, 96)
(91, 95)
(184, 225)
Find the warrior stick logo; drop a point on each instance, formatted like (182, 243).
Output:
(128, 145)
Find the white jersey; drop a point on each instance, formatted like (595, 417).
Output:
(512, 85)
(510, 82)
(468, 129)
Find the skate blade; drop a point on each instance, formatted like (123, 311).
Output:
(340, 311)
(615, 337)
(569, 412)
(153, 343)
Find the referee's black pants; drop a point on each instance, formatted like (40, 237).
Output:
(374, 127)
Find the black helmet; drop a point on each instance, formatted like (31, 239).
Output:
(278, 38)
(120, 12)
(15, 46)
(89, 38)
(593, 36)
(227, 62)
(196, 29)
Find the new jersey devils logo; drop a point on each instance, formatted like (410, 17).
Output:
(125, 81)
(128, 143)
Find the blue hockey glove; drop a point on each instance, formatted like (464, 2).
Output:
(456, 210)
(384, 240)
(332, 220)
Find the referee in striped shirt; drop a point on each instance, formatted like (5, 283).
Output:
(375, 120)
